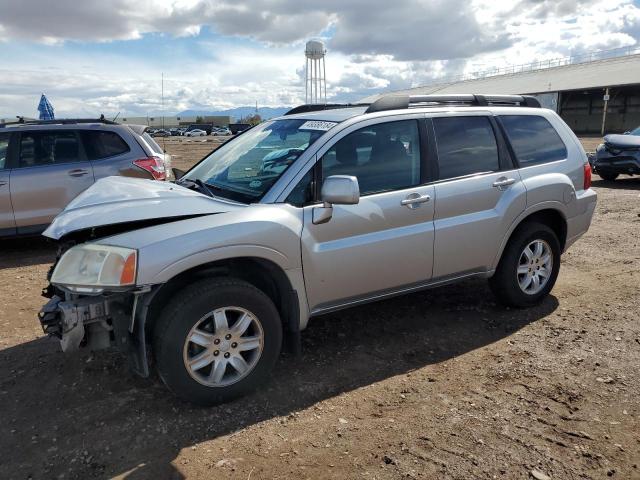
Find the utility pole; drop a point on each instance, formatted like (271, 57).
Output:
(604, 111)
(162, 97)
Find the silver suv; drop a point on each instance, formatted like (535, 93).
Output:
(45, 164)
(208, 278)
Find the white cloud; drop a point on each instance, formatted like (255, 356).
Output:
(373, 46)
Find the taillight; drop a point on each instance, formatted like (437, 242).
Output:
(587, 176)
(153, 165)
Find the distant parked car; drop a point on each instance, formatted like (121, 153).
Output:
(207, 127)
(45, 165)
(221, 132)
(619, 154)
(195, 133)
(161, 133)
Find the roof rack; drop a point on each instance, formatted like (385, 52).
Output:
(316, 107)
(399, 102)
(62, 121)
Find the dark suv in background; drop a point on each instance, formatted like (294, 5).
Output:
(46, 164)
(618, 155)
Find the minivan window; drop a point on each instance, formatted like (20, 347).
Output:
(4, 148)
(383, 157)
(48, 148)
(466, 146)
(533, 139)
(102, 144)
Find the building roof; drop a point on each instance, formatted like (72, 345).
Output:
(602, 73)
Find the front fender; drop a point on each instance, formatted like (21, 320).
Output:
(215, 254)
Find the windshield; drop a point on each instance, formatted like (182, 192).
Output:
(245, 168)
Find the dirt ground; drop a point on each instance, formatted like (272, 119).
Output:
(439, 384)
(186, 151)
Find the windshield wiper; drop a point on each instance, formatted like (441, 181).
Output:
(203, 186)
(190, 184)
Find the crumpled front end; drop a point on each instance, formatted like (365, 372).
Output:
(108, 320)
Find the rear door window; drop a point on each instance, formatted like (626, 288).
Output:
(533, 139)
(466, 146)
(49, 148)
(103, 144)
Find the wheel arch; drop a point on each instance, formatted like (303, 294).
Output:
(550, 214)
(262, 273)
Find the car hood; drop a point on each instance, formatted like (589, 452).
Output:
(622, 141)
(120, 200)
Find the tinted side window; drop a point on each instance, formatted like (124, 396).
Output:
(383, 157)
(4, 149)
(466, 145)
(533, 139)
(48, 148)
(102, 144)
(302, 194)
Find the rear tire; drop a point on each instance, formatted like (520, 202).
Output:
(217, 340)
(609, 177)
(529, 266)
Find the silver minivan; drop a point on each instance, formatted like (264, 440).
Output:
(46, 164)
(208, 278)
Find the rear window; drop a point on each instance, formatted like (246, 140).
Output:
(152, 143)
(103, 144)
(533, 139)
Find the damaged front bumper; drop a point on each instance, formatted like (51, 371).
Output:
(102, 321)
(67, 320)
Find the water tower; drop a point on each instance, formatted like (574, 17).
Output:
(315, 86)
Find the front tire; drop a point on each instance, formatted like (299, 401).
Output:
(217, 340)
(529, 266)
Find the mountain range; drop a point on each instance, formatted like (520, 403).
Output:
(238, 112)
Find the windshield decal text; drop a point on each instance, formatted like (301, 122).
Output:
(317, 125)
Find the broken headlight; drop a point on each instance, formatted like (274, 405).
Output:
(92, 268)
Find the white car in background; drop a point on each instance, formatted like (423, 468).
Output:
(221, 132)
(196, 132)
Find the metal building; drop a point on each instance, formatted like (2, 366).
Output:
(597, 93)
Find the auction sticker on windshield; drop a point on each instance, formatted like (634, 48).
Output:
(317, 125)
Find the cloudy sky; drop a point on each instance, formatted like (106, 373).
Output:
(97, 56)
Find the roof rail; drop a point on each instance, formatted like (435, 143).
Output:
(315, 107)
(62, 121)
(400, 102)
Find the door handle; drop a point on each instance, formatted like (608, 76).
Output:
(2, 183)
(503, 182)
(414, 200)
(78, 172)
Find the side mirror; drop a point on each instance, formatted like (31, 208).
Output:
(177, 173)
(336, 190)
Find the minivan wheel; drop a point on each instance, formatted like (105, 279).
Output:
(529, 266)
(216, 340)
